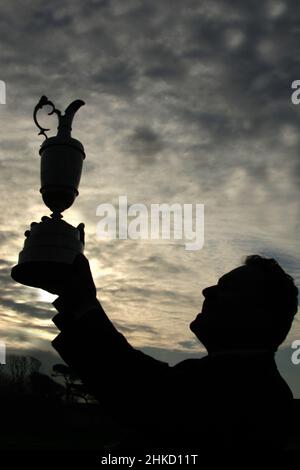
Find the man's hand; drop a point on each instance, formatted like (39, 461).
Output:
(80, 284)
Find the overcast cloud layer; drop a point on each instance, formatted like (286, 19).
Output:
(186, 101)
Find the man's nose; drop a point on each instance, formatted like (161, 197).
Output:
(209, 291)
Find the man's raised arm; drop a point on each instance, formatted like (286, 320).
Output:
(128, 381)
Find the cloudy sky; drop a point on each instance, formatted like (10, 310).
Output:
(186, 101)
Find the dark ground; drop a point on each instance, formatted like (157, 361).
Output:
(43, 428)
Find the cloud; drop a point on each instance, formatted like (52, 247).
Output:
(145, 143)
(116, 78)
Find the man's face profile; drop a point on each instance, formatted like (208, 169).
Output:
(228, 306)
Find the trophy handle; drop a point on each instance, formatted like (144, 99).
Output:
(44, 102)
(64, 121)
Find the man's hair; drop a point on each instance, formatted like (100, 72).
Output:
(279, 295)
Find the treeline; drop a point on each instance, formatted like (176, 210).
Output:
(21, 376)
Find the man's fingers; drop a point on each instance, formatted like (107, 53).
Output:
(27, 232)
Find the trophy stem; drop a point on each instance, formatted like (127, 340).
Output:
(56, 215)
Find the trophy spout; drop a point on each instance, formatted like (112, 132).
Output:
(65, 121)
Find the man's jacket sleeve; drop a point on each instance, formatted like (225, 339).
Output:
(128, 382)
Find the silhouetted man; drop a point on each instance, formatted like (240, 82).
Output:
(234, 398)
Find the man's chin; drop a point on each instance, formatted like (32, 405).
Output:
(193, 327)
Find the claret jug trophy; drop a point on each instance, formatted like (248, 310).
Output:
(51, 245)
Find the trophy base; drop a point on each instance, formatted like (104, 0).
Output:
(48, 254)
(40, 273)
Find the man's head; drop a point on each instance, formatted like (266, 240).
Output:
(251, 307)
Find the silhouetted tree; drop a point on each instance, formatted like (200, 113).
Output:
(5, 380)
(34, 365)
(74, 388)
(17, 367)
(46, 387)
(20, 373)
